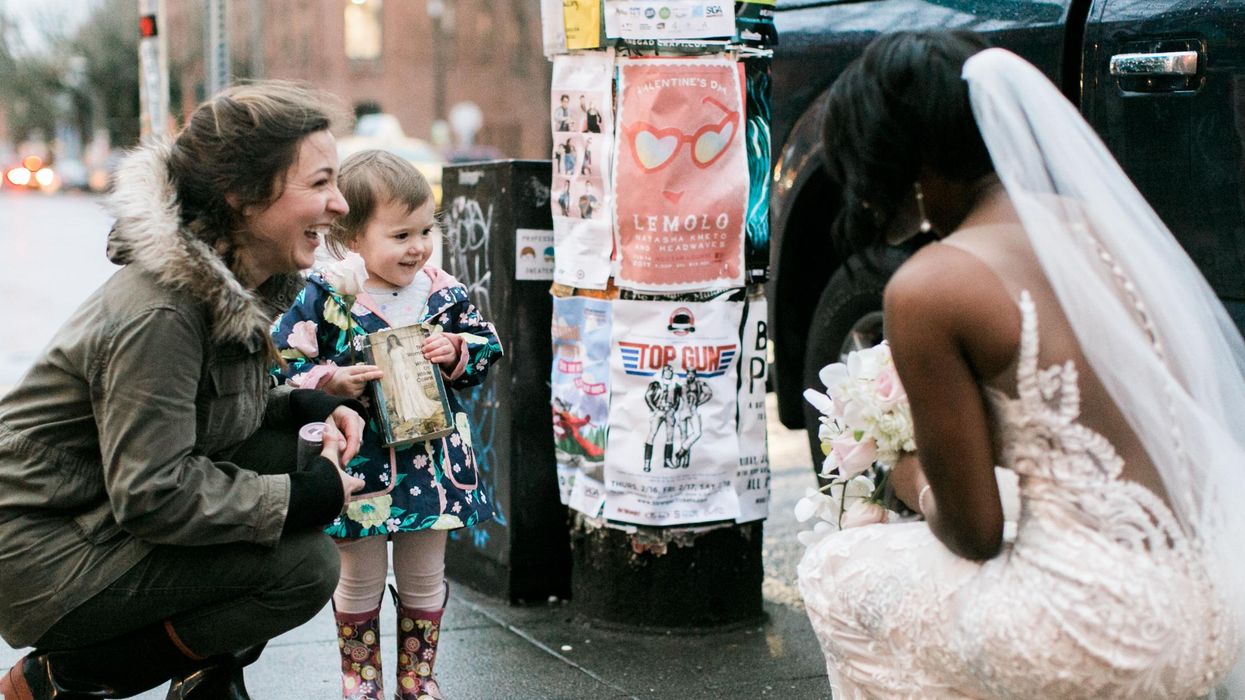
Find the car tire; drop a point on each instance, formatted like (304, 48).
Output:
(848, 317)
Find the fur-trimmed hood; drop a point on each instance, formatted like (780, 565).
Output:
(148, 233)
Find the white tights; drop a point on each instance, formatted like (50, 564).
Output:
(418, 566)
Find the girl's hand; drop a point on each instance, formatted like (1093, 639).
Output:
(333, 445)
(349, 428)
(440, 350)
(348, 382)
(907, 480)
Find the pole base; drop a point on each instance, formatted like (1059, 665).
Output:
(667, 578)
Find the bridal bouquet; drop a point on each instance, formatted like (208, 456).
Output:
(346, 277)
(865, 425)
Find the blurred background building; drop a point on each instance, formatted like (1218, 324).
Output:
(433, 80)
(423, 61)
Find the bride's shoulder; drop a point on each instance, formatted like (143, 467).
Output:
(938, 273)
(946, 290)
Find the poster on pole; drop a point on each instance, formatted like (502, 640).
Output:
(580, 396)
(681, 174)
(672, 451)
(533, 254)
(754, 23)
(752, 481)
(757, 95)
(552, 27)
(581, 195)
(582, 23)
(662, 19)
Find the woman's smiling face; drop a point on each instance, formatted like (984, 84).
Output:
(283, 236)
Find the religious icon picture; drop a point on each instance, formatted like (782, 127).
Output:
(410, 400)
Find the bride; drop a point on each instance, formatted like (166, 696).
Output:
(1055, 329)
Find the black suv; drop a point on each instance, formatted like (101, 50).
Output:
(1163, 82)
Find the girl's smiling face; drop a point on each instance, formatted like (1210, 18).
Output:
(396, 243)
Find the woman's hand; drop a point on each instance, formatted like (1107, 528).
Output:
(349, 428)
(907, 480)
(334, 443)
(441, 350)
(350, 381)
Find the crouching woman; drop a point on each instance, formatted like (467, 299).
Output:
(153, 524)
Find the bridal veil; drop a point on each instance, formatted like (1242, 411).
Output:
(1148, 322)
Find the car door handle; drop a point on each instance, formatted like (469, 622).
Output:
(1181, 63)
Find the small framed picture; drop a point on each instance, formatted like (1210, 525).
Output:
(410, 399)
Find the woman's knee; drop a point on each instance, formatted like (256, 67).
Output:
(312, 566)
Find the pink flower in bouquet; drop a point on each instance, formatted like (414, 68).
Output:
(863, 513)
(854, 456)
(890, 391)
(303, 339)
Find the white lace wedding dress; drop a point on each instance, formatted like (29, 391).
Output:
(1099, 596)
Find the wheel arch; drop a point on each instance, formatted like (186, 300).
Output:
(803, 207)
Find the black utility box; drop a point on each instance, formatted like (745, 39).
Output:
(498, 241)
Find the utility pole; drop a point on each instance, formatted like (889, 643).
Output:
(217, 44)
(257, 39)
(153, 84)
(442, 16)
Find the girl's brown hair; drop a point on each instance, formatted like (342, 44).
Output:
(367, 180)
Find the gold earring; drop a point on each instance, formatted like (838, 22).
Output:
(926, 226)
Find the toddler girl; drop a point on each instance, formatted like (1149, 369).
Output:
(414, 493)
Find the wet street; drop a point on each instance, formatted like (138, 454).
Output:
(51, 258)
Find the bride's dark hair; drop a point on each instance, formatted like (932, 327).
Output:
(899, 106)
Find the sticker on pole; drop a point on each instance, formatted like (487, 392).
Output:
(661, 19)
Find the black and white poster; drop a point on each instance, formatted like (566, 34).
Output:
(673, 451)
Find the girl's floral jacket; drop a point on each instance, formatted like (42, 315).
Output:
(431, 484)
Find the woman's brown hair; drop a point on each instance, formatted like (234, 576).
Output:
(240, 143)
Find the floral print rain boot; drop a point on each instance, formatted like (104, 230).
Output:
(358, 641)
(418, 632)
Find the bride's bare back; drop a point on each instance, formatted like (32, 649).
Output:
(954, 327)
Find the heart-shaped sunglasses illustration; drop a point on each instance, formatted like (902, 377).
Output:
(654, 148)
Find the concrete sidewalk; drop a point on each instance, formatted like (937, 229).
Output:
(490, 651)
(493, 651)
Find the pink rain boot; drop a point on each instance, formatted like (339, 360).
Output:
(358, 641)
(418, 632)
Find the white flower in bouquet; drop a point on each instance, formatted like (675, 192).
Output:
(835, 510)
(347, 275)
(829, 507)
(865, 425)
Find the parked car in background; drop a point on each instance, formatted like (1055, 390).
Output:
(1162, 81)
(31, 173)
(383, 131)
